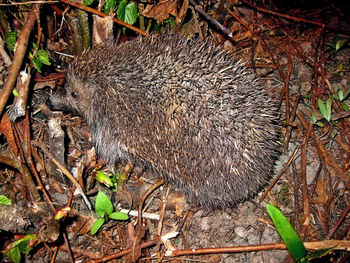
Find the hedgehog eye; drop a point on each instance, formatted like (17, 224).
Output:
(74, 94)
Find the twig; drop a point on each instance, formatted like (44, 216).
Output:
(127, 251)
(64, 170)
(143, 198)
(211, 19)
(279, 175)
(298, 19)
(18, 56)
(338, 244)
(94, 11)
(306, 202)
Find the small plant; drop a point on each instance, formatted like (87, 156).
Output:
(11, 39)
(109, 181)
(22, 246)
(126, 12)
(341, 96)
(39, 57)
(291, 238)
(338, 44)
(4, 200)
(326, 111)
(104, 209)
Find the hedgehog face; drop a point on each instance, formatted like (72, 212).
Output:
(74, 97)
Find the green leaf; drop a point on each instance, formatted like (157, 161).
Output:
(344, 106)
(341, 94)
(313, 118)
(15, 92)
(287, 233)
(326, 112)
(88, 2)
(103, 178)
(43, 56)
(329, 109)
(131, 13)
(119, 216)
(109, 5)
(346, 93)
(14, 254)
(340, 44)
(121, 10)
(11, 39)
(23, 245)
(37, 64)
(97, 225)
(103, 205)
(320, 253)
(4, 200)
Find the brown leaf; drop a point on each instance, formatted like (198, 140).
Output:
(161, 10)
(134, 238)
(322, 196)
(6, 129)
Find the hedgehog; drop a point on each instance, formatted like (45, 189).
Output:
(184, 108)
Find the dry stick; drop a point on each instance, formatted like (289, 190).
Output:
(78, 250)
(21, 48)
(143, 198)
(321, 151)
(127, 251)
(289, 127)
(286, 89)
(306, 202)
(296, 18)
(339, 245)
(66, 241)
(17, 164)
(31, 163)
(224, 29)
(264, 44)
(94, 11)
(64, 170)
(278, 176)
(342, 217)
(316, 74)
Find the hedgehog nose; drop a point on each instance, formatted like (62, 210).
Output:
(49, 104)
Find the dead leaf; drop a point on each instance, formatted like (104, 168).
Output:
(6, 129)
(322, 196)
(161, 10)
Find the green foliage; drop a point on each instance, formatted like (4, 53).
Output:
(291, 238)
(341, 95)
(319, 253)
(326, 111)
(103, 205)
(88, 2)
(103, 178)
(97, 225)
(338, 44)
(287, 233)
(109, 5)
(11, 39)
(21, 246)
(39, 57)
(104, 209)
(4, 200)
(313, 118)
(15, 92)
(127, 12)
(109, 181)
